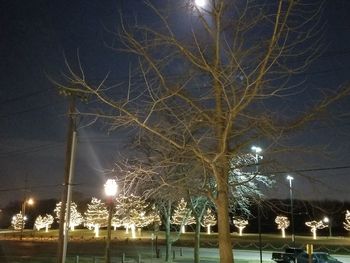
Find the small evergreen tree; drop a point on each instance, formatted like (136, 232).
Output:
(132, 212)
(43, 222)
(76, 218)
(182, 215)
(347, 220)
(96, 215)
(17, 221)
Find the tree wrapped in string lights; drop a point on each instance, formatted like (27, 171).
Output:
(240, 224)
(43, 222)
(314, 225)
(131, 210)
(209, 219)
(96, 215)
(76, 218)
(17, 221)
(182, 216)
(116, 222)
(155, 218)
(347, 220)
(282, 223)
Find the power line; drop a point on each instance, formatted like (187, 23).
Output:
(23, 96)
(30, 150)
(32, 187)
(312, 169)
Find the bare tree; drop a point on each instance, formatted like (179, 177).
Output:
(220, 83)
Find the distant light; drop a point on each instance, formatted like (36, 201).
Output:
(326, 219)
(290, 178)
(30, 201)
(200, 3)
(256, 149)
(111, 187)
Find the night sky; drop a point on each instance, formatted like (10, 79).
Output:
(36, 37)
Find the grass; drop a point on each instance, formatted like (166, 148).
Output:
(186, 238)
(83, 243)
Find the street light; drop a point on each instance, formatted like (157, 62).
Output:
(290, 179)
(258, 150)
(110, 191)
(327, 220)
(200, 3)
(29, 201)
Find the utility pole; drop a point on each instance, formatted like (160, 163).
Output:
(66, 192)
(23, 206)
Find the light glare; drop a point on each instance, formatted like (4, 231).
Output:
(30, 201)
(111, 187)
(256, 149)
(200, 3)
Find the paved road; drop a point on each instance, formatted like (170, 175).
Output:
(89, 249)
(239, 254)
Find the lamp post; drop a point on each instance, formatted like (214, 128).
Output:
(290, 179)
(258, 150)
(29, 201)
(110, 191)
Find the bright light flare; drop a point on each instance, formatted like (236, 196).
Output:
(256, 149)
(30, 201)
(290, 178)
(111, 187)
(200, 3)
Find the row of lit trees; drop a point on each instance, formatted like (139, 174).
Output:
(133, 212)
(283, 223)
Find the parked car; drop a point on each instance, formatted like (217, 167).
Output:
(317, 257)
(288, 256)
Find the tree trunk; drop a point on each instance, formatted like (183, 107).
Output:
(224, 235)
(197, 240)
(168, 238)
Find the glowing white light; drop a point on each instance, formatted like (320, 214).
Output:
(200, 3)
(256, 149)
(111, 187)
(30, 201)
(290, 178)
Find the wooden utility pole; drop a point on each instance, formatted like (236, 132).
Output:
(61, 250)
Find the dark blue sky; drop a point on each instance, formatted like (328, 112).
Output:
(35, 37)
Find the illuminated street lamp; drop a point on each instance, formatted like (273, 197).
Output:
(30, 202)
(110, 191)
(258, 150)
(290, 179)
(200, 3)
(329, 224)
